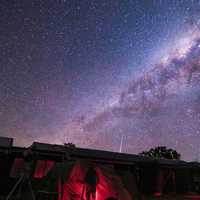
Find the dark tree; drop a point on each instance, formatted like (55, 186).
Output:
(162, 152)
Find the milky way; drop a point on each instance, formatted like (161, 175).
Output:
(101, 73)
(160, 106)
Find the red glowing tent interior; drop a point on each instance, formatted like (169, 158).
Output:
(106, 183)
(79, 180)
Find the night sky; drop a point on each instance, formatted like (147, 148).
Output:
(101, 72)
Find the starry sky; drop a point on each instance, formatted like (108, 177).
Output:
(101, 73)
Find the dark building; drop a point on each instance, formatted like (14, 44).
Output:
(64, 172)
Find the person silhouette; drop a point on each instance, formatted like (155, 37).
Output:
(91, 180)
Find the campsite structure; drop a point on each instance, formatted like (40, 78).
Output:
(46, 171)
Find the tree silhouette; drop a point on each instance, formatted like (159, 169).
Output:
(162, 152)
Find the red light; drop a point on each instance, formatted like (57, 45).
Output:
(42, 168)
(157, 194)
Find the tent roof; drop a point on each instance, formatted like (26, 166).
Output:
(59, 152)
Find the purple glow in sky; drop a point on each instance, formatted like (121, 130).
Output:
(94, 72)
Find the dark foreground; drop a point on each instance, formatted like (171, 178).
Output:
(61, 172)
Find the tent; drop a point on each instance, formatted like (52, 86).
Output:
(77, 180)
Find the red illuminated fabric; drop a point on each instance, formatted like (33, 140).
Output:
(75, 188)
(76, 181)
(108, 185)
(42, 168)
